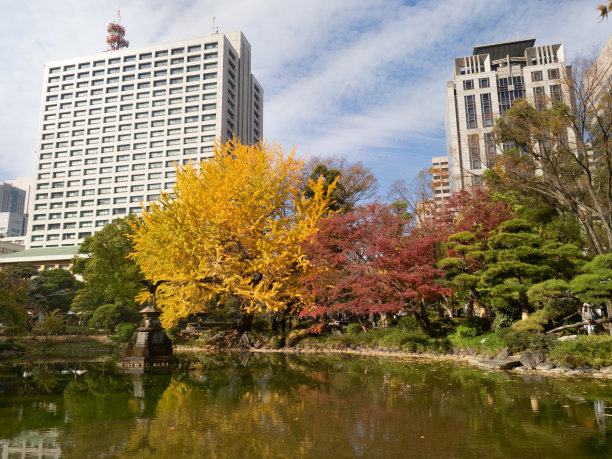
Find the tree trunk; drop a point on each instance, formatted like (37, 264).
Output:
(469, 306)
(609, 314)
(422, 320)
(365, 329)
(246, 322)
(384, 320)
(524, 305)
(578, 324)
(274, 324)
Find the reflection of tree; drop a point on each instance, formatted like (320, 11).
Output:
(315, 406)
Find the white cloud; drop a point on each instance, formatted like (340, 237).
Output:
(365, 79)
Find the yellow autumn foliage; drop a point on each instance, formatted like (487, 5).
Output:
(233, 229)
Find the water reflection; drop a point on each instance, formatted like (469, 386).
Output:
(306, 406)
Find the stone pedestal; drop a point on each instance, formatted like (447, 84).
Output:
(150, 346)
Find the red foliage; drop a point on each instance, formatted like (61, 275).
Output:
(465, 210)
(368, 263)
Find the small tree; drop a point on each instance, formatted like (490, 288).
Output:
(367, 262)
(52, 323)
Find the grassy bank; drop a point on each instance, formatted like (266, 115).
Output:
(577, 351)
(58, 348)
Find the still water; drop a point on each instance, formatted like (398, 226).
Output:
(274, 405)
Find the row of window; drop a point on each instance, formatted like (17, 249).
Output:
(132, 58)
(120, 168)
(115, 89)
(137, 135)
(112, 139)
(133, 68)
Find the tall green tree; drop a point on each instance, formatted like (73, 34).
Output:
(110, 278)
(518, 257)
(563, 153)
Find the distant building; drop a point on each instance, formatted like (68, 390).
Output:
(12, 210)
(484, 86)
(440, 181)
(27, 185)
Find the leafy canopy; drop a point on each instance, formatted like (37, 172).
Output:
(233, 229)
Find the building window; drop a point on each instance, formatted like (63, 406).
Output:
(555, 93)
(536, 76)
(470, 112)
(487, 109)
(539, 98)
(468, 84)
(489, 149)
(474, 150)
(484, 83)
(553, 74)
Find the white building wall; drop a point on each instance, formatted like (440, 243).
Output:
(469, 144)
(113, 126)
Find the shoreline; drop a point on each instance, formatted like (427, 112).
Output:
(472, 360)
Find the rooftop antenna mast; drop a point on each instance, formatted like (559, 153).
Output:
(115, 39)
(214, 29)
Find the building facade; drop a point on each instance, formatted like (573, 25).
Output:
(484, 86)
(114, 125)
(12, 210)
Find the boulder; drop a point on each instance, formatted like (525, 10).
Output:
(546, 366)
(530, 360)
(244, 342)
(336, 332)
(606, 370)
(568, 337)
(503, 354)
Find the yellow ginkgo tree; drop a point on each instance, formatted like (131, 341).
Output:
(232, 230)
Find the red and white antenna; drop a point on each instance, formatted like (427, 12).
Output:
(213, 25)
(115, 39)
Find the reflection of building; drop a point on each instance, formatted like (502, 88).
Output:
(484, 86)
(32, 444)
(114, 125)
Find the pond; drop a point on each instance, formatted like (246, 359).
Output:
(278, 405)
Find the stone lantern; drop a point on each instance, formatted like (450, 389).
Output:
(150, 346)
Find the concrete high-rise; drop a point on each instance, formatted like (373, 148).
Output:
(485, 85)
(113, 126)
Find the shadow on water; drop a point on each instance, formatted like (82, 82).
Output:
(279, 405)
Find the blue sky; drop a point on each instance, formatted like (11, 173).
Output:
(363, 79)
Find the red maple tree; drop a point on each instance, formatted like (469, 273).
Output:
(367, 261)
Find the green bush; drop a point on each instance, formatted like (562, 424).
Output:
(588, 350)
(354, 328)
(276, 342)
(13, 331)
(519, 341)
(407, 323)
(295, 336)
(260, 325)
(304, 325)
(465, 331)
(125, 332)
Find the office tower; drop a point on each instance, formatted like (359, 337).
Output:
(484, 86)
(12, 210)
(113, 125)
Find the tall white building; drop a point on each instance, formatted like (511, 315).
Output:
(113, 126)
(484, 86)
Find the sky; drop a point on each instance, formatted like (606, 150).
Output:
(361, 79)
